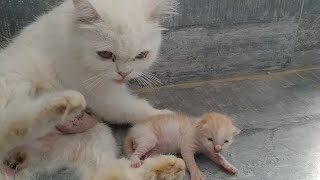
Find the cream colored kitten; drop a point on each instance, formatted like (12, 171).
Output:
(92, 47)
(91, 153)
(174, 132)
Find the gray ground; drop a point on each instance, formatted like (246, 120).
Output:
(279, 115)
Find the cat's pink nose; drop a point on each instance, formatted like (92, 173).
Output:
(217, 148)
(123, 74)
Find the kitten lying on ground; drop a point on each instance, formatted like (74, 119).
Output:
(91, 153)
(173, 132)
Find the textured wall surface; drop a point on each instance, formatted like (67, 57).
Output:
(215, 38)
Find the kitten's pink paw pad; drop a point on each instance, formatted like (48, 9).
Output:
(233, 170)
(136, 165)
(136, 162)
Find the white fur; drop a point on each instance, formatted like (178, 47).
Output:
(58, 52)
(93, 156)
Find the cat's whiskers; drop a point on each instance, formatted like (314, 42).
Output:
(154, 78)
(92, 80)
(138, 81)
(154, 81)
(150, 85)
(144, 83)
(96, 83)
(149, 81)
(30, 174)
(92, 77)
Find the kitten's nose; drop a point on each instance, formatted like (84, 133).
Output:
(123, 74)
(217, 148)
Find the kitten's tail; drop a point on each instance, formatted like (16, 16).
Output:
(128, 145)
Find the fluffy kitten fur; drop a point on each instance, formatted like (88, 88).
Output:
(99, 163)
(66, 49)
(174, 132)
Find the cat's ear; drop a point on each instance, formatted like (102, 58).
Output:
(85, 12)
(236, 132)
(158, 8)
(201, 124)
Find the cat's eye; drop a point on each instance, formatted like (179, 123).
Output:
(106, 55)
(226, 141)
(210, 139)
(142, 55)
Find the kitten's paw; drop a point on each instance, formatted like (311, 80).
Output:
(165, 168)
(69, 102)
(17, 159)
(198, 175)
(232, 169)
(136, 162)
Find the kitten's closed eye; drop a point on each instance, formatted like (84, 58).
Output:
(226, 141)
(142, 55)
(210, 139)
(106, 55)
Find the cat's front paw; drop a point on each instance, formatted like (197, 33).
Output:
(136, 162)
(232, 169)
(70, 103)
(198, 175)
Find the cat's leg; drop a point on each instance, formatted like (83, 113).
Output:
(164, 167)
(144, 145)
(195, 172)
(120, 107)
(24, 119)
(219, 159)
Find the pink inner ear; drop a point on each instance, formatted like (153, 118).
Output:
(153, 14)
(86, 12)
(199, 125)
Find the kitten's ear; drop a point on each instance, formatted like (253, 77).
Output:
(236, 132)
(201, 124)
(86, 13)
(159, 8)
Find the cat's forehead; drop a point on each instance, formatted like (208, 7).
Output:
(218, 120)
(122, 14)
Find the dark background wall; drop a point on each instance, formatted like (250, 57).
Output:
(211, 39)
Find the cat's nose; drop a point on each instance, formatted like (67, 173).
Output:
(217, 148)
(123, 74)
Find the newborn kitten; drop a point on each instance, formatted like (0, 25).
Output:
(91, 153)
(173, 132)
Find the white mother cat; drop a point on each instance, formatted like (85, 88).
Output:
(91, 47)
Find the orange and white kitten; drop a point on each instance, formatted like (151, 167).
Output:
(174, 132)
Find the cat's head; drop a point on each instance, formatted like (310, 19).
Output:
(119, 38)
(216, 132)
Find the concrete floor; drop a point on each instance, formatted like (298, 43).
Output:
(279, 115)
